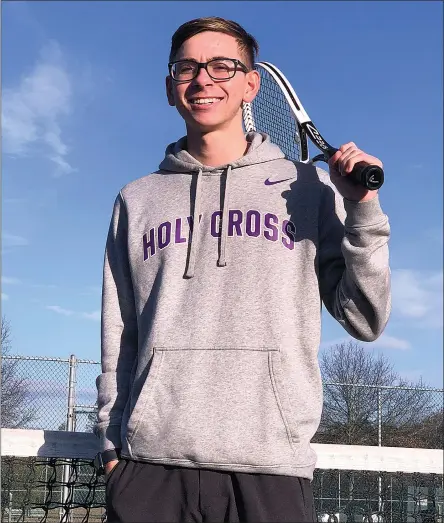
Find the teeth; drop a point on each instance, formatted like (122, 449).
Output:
(201, 101)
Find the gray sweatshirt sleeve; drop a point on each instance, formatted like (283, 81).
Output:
(353, 263)
(119, 331)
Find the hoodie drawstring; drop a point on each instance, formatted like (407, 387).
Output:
(221, 262)
(196, 223)
(194, 240)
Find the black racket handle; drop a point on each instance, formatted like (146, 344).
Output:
(370, 176)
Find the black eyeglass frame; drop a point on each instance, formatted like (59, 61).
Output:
(238, 65)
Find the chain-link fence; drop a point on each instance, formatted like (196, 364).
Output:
(60, 394)
(394, 416)
(48, 393)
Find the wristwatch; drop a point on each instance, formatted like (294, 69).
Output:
(102, 458)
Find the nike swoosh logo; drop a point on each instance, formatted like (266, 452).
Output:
(269, 182)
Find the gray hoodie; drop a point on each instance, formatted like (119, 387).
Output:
(211, 316)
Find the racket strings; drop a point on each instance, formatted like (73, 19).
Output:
(273, 116)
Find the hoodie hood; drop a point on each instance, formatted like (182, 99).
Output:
(179, 160)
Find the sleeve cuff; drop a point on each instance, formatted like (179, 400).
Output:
(361, 214)
(109, 436)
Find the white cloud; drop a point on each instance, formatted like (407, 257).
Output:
(4, 297)
(60, 310)
(33, 110)
(95, 316)
(390, 342)
(10, 281)
(383, 342)
(11, 240)
(418, 296)
(331, 343)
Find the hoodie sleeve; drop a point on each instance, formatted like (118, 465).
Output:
(119, 331)
(354, 271)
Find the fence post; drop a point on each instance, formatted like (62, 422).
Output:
(379, 418)
(70, 426)
(380, 507)
(70, 415)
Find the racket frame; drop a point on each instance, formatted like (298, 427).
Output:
(361, 171)
(304, 122)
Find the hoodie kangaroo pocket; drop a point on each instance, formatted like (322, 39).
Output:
(214, 406)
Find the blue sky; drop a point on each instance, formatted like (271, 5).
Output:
(84, 113)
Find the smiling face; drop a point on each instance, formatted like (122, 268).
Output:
(204, 103)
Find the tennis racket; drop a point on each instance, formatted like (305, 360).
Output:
(278, 112)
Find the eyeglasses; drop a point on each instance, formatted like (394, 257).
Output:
(217, 69)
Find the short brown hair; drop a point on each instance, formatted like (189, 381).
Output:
(246, 42)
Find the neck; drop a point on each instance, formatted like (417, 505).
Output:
(218, 147)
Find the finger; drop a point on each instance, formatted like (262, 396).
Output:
(351, 160)
(333, 160)
(343, 151)
(347, 146)
(348, 162)
(344, 161)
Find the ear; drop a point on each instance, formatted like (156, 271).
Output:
(253, 82)
(169, 90)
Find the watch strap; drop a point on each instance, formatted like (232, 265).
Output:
(110, 455)
(102, 458)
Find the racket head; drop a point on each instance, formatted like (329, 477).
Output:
(271, 113)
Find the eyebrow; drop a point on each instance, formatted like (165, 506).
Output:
(212, 58)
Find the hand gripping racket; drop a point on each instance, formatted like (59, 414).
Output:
(277, 111)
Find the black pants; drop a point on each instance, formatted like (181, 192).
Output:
(143, 492)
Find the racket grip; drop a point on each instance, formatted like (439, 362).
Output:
(370, 176)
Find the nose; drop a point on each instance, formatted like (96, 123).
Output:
(203, 78)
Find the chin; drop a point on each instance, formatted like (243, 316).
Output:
(205, 124)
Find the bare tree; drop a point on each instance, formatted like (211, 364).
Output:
(15, 409)
(359, 387)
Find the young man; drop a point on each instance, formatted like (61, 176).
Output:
(210, 391)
